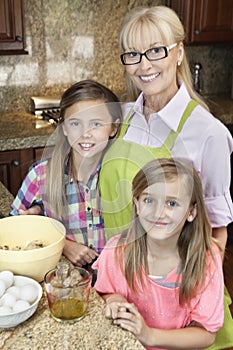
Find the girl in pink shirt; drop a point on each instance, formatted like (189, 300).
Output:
(162, 279)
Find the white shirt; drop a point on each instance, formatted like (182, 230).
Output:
(203, 140)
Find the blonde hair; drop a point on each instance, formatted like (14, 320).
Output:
(86, 90)
(194, 241)
(158, 22)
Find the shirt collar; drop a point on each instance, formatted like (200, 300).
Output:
(138, 106)
(172, 113)
(69, 176)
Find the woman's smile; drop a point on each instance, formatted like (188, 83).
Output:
(150, 77)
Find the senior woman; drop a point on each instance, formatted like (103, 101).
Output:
(168, 119)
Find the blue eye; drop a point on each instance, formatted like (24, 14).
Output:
(74, 123)
(133, 54)
(148, 200)
(172, 204)
(155, 50)
(96, 124)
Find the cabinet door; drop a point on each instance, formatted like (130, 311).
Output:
(11, 27)
(14, 166)
(10, 170)
(43, 153)
(205, 21)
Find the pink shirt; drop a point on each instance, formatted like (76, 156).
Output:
(159, 305)
(203, 140)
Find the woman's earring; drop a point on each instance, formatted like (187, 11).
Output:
(190, 218)
(178, 63)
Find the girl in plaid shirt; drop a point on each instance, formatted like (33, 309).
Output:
(65, 185)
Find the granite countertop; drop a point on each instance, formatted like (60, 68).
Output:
(41, 331)
(20, 130)
(94, 331)
(221, 107)
(6, 198)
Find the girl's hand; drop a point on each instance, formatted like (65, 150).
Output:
(112, 303)
(34, 210)
(130, 319)
(78, 253)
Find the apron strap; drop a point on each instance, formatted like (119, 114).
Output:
(125, 125)
(169, 142)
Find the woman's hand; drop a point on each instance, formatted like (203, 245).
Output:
(128, 317)
(78, 253)
(112, 304)
(34, 210)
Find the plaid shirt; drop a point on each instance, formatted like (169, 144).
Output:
(84, 223)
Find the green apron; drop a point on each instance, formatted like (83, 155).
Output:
(120, 164)
(224, 337)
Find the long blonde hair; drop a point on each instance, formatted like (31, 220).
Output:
(86, 90)
(194, 241)
(162, 23)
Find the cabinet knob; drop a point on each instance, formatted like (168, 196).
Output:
(15, 163)
(19, 39)
(197, 32)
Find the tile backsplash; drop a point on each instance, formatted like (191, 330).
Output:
(70, 40)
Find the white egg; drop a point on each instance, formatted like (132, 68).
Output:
(8, 299)
(7, 277)
(14, 290)
(28, 292)
(20, 305)
(4, 310)
(2, 288)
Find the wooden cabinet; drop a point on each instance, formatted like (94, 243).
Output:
(14, 166)
(205, 21)
(12, 41)
(38, 153)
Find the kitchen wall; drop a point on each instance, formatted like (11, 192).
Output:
(70, 40)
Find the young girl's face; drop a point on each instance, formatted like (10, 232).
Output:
(163, 209)
(88, 126)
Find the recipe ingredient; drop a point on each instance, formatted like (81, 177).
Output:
(14, 298)
(28, 292)
(68, 309)
(7, 277)
(35, 244)
(20, 305)
(2, 288)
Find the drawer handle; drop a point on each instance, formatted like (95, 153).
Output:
(15, 163)
(19, 39)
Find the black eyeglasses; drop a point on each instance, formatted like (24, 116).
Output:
(153, 54)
